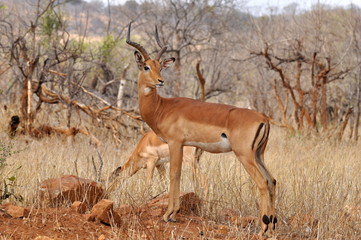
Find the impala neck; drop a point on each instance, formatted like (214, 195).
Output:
(150, 104)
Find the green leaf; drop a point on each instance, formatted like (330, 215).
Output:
(12, 179)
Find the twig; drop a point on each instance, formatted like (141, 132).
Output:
(100, 165)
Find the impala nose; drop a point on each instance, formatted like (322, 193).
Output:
(161, 82)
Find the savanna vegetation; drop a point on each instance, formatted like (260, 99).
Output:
(69, 105)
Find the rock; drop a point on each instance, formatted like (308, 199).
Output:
(128, 209)
(89, 217)
(79, 207)
(16, 211)
(104, 213)
(190, 203)
(68, 189)
(102, 237)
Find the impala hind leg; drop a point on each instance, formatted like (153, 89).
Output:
(271, 184)
(176, 157)
(267, 193)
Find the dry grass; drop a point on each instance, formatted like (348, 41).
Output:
(318, 180)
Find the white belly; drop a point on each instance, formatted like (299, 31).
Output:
(214, 147)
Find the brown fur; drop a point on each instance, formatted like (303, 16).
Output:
(151, 153)
(187, 122)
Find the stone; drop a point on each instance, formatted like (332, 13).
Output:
(17, 211)
(68, 189)
(89, 217)
(104, 213)
(102, 237)
(190, 203)
(79, 207)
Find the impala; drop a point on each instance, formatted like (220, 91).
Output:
(151, 153)
(215, 128)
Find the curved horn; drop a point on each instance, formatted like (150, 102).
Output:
(137, 45)
(163, 48)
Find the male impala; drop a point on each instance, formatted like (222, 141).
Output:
(151, 153)
(215, 128)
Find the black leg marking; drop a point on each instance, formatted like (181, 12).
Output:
(223, 135)
(265, 220)
(274, 182)
(271, 218)
(257, 133)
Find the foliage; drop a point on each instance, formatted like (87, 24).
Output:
(9, 183)
(107, 46)
(5, 152)
(51, 23)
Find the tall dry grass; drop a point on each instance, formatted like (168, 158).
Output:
(318, 180)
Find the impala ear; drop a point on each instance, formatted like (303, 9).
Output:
(139, 60)
(166, 63)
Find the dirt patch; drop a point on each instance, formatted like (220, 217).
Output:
(137, 222)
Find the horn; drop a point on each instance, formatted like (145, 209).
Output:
(163, 48)
(137, 45)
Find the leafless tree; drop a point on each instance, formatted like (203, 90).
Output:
(306, 61)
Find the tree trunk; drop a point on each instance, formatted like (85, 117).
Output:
(324, 103)
(26, 104)
(358, 110)
(120, 93)
(177, 68)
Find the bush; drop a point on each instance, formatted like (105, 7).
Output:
(5, 152)
(8, 183)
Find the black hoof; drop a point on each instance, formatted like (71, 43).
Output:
(171, 220)
(266, 220)
(274, 223)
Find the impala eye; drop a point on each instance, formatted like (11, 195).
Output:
(146, 68)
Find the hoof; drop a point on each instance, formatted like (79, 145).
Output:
(266, 220)
(274, 223)
(169, 220)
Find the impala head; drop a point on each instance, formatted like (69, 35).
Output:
(150, 68)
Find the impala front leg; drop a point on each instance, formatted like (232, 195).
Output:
(176, 156)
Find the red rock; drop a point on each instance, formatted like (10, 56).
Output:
(16, 211)
(128, 210)
(103, 212)
(79, 207)
(89, 217)
(102, 237)
(190, 203)
(68, 189)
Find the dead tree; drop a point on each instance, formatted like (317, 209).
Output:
(307, 92)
